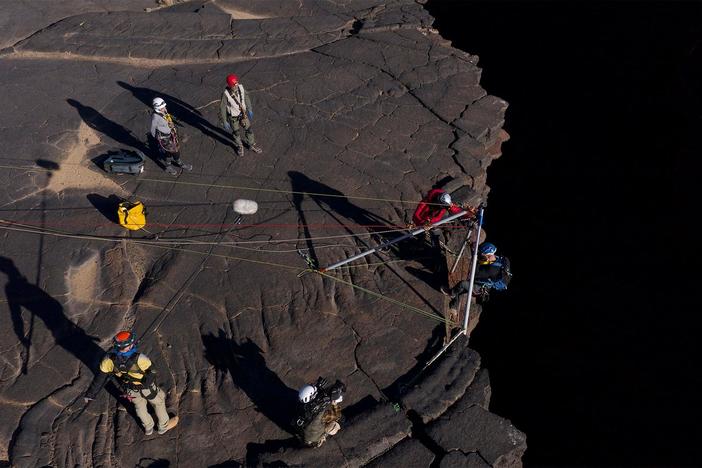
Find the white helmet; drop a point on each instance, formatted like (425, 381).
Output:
(158, 104)
(445, 199)
(307, 393)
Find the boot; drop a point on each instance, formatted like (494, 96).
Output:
(173, 422)
(255, 149)
(239, 150)
(171, 170)
(184, 166)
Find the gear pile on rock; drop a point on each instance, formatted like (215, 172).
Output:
(373, 136)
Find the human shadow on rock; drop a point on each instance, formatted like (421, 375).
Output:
(107, 206)
(117, 132)
(333, 201)
(248, 369)
(153, 463)
(181, 110)
(23, 296)
(102, 124)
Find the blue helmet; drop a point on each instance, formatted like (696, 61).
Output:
(486, 248)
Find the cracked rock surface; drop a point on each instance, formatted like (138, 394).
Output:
(360, 108)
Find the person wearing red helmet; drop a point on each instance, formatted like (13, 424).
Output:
(236, 113)
(133, 373)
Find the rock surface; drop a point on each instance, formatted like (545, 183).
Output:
(360, 107)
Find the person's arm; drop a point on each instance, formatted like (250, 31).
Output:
(420, 214)
(154, 125)
(144, 364)
(223, 109)
(247, 103)
(101, 378)
(470, 211)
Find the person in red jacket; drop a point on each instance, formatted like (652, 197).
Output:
(432, 209)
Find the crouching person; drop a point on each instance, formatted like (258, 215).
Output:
(320, 412)
(134, 374)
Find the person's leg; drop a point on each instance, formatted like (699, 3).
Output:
(236, 135)
(249, 137)
(142, 413)
(159, 405)
(168, 160)
(178, 162)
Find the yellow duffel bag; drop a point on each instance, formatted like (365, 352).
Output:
(132, 215)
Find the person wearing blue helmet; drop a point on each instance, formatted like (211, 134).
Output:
(133, 372)
(493, 273)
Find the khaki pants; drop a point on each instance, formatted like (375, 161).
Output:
(159, 405)
(240, 127)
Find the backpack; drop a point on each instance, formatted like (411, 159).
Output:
(125, 162)
(131, 215)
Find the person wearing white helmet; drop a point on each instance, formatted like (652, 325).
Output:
(320, 411)
(164, 133)
(434, 207)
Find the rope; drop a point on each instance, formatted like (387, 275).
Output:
(180, 241)
(139, 242)
(237, 187)
(430, 315)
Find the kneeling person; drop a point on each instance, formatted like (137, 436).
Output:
(493, 273)
(320, 412)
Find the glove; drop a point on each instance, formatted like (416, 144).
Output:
(227, 126)
(250, 114)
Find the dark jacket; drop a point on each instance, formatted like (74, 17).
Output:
(495, 275)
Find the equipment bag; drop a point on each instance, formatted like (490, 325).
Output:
(125, 162)
(132, 215)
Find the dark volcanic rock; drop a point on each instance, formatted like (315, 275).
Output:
(409, 452)
(445, 382)
(457, 459)
(477, 430)
(360, 108)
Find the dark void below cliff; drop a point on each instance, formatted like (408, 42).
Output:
(593, 351)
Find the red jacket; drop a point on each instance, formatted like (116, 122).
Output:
(430, 211)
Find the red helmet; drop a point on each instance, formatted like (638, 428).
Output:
(123, 339)
(232, 80)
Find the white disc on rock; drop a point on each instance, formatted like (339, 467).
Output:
(245, 207)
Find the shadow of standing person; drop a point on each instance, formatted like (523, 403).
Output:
(249, 372)
(333, 201)
(117, 132)
(182, 111)
(22, 295)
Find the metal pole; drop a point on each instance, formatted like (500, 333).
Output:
(394, 241)
(472, 271)
(443, 349)
(460, 253)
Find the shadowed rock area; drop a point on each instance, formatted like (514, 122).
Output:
(360, 108)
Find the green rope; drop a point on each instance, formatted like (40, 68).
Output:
(416, 310)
